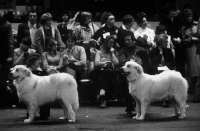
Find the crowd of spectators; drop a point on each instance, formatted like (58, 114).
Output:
(81, 48)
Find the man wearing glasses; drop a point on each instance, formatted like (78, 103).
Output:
(28, 28)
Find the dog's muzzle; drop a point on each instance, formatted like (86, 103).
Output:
(123, 72)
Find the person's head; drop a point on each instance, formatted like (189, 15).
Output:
(86, 17)
(128, 20)
(169, 10)
(142, 20)
(188, 15)
(71, 40)
(26, 44)
(161, 29)
(187, 6)
(108, 43)
(141, 57)
(32, 16)
(65, 17)
(2, 19)
(110, 19)
(161, 40)
(46, 19)
(33, 60)
(129, 39)
(52, 44)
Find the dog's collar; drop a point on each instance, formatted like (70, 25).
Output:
(21, 79)
(133, 81)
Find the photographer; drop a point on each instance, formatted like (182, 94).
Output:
(22, 53)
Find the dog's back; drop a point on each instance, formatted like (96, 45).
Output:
(57, 86)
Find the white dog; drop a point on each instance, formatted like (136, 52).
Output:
(148, 88)
(35, 91)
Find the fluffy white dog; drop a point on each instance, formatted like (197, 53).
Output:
(147, 88)
(35, 91)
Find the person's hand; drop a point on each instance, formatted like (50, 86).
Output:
(71, 59)
(145, 36)
(160, 49)
(26, 54)
(65, 56)
(9, 59)
(112, 50)
(178, 40)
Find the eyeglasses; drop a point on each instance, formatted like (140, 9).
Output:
(127, 40)
(32, 16)
(112, 19)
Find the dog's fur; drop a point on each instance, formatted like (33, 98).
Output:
(35, 91)
(148, 88)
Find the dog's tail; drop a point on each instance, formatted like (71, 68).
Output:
(185, 88)
(75, 104)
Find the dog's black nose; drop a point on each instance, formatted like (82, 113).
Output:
(121, 69)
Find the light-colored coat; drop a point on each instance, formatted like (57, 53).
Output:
(148, 88)
(35, 91)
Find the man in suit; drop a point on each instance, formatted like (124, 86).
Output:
(28, 28)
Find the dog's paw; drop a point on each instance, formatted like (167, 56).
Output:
(175, 115)
(27, 121)
(140, 118)
(71, 121)
(136, 117)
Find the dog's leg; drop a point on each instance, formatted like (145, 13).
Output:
(174, 104)
(69, 113)
(64, 111)
(144, 105)
(137, 109)
(182, 109)
(32, 109)
(181, 104)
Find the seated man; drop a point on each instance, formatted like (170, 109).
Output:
(74, 57)
(22, 53)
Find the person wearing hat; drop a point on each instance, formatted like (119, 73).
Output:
(21, 53)
(33, 62)
(45, 32)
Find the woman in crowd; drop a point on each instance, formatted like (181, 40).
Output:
(52, 59)
(108, 29)
(161, 55)
(190, 37)
(105, 61)
(142, 58)
(33, 63)
(143, 33)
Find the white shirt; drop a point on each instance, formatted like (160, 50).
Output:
(32, 29)
(149, 32)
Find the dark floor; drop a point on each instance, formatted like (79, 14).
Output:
(113, 118)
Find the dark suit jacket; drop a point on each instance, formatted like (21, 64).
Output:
(168, 57)
(23, 31)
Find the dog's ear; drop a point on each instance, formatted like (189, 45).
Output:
(139, 69)
(27, 73)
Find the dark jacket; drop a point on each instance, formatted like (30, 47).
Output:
(23, 31)
(120, 36)
(99, 33)
(63, 31)
(156, 57)
(174, 30)
(6, 42)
